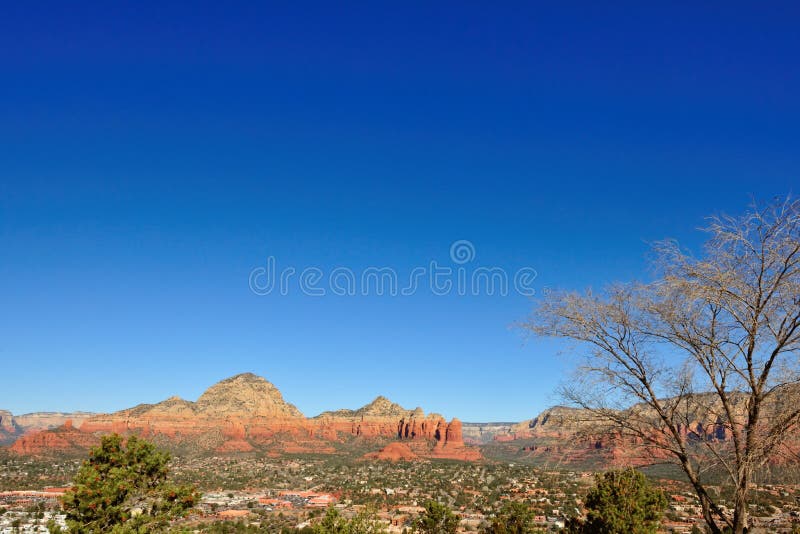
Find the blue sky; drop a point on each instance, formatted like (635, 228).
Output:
(151, 156)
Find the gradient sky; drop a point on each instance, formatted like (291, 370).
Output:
(152, 155)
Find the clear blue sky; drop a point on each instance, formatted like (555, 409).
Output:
(152, 155)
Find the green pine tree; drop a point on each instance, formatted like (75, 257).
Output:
(513, 518)
(621, 501)
(364, 522)
(437, 519)
(123, 488)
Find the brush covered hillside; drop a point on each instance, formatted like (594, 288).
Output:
(246, 413)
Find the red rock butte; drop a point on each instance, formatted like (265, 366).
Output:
(394, 452)
(247, 413)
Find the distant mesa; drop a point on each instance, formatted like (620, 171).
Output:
(14, 426)
(483, 433)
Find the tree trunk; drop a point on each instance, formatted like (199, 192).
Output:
(740, 505)
(709, 517)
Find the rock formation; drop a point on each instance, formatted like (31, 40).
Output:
(450, 443)
(247, 413)
(14, 426)
(7, 422)
(569, 435)
(45, 420)
(64, 439)
(248, 395)
(8, 428)
(394, 452)
(558, 421)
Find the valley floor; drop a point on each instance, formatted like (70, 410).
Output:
(291, 492)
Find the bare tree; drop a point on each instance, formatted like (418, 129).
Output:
(700, 366)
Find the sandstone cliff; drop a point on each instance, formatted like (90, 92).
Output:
(13, 426)
(45, 420)
(383, 418)
(558, 421)
(572, 435)
(481, 433)
(8, 428)
(701, 418)
(247, 413)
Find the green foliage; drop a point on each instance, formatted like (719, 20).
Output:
(53, 528)
(437, 519)
(123, 488)
(622, 501)
(364, 522)
(513, 518)
(265, 525)
(332, 523)
(236, 527)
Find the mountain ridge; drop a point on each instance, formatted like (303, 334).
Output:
(246, 412)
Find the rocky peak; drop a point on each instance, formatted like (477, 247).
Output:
(382, 407)
(173, 406)
(555, 419)
(558, 415)
(245, 394)
(379, 408)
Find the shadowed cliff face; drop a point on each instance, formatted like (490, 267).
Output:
(246, 413)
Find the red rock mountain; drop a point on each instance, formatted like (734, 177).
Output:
(246, 413)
